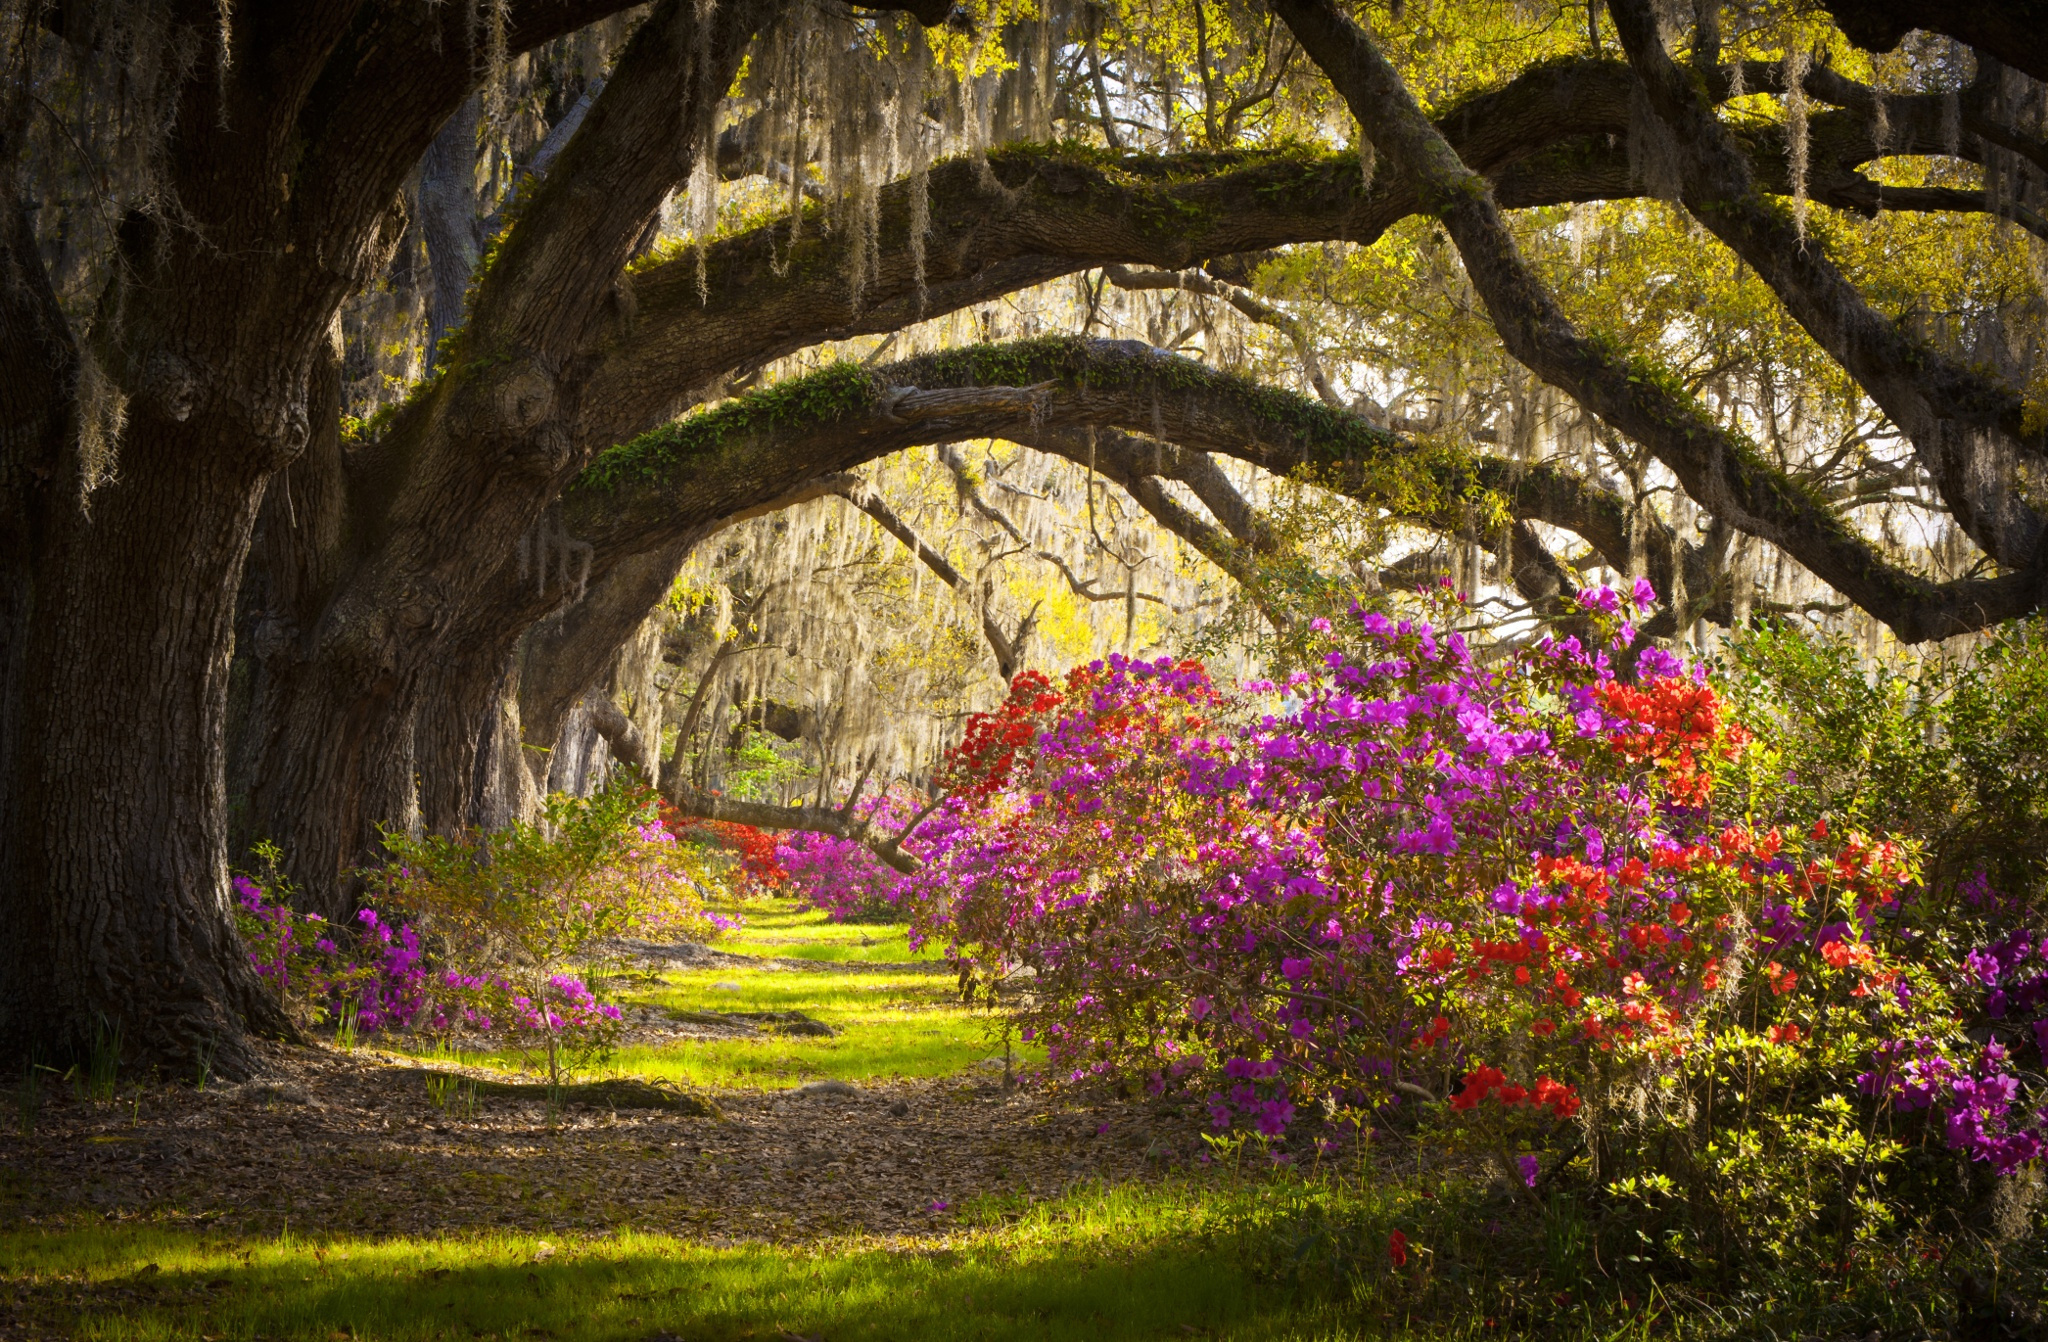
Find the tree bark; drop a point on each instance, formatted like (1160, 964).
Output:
(120, 620)
(448, 221)
(2015, 31)
(115, 903)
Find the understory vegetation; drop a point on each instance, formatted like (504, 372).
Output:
(1578, 993)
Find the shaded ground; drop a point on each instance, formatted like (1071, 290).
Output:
(804, 1135)
(355, 1144)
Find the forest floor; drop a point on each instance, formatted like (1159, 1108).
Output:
(804, 1135)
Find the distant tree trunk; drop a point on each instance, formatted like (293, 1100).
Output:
(448, 221)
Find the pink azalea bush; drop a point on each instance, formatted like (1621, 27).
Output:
(843, 876)
(482, 935)
(1561, 893)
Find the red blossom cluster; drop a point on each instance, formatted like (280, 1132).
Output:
(988, 753)
(1677, 722)
(1484, 1082)
(755, 848)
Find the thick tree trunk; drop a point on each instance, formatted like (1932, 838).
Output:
(334, 762)
(119, 603)
(40, 363)
(508, 787)
(454, 714)
(115, 901)
(401, 667)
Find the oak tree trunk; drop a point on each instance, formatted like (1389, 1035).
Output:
(115, 900)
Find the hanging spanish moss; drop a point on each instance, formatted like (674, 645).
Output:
(1798, 60)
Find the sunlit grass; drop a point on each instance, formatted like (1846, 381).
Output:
(887, 1027)
(775, 927)
(1116, 1264)
(1220, 1256)
(888, 1024)
(912, 1026)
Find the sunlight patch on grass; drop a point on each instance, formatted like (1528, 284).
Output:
(887, 1025)
(1116, 1264)
(912, 1026)
(780, 927)
(922, 1047)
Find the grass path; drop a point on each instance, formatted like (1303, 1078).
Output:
(893, 1013)
(933, 1202)
(905, 1021)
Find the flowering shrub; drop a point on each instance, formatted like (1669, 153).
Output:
(843, 876)
(488, 928)
(507, 914)
(369, 978)
(840, 876)
(1574, 904)
(750, 853)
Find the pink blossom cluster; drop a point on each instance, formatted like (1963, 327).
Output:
(843, 876)
(378, 979)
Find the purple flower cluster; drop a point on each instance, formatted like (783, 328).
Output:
(379, 978)
(1982, 1103)
(1419, 862)
(843, 876)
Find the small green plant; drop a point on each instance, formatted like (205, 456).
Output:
(508, 915)
(103, 1063)
(1227, 1146)
(202, 1063)
(456, 1095)
(345, 1027)
(558, 1100)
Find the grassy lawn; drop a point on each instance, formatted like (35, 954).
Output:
(908, 1024)
(1236, 1250)
(781, 928)
(1259, 1260)
(909, 1027)
(1095, 1266)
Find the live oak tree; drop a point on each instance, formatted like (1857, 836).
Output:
(138, 453)
(438, 587)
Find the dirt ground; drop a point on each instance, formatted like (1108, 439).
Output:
(354, 1143)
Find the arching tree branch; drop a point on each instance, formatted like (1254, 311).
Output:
(809, 819)
(638, 496)
(1969, 431)
(1719, 469)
